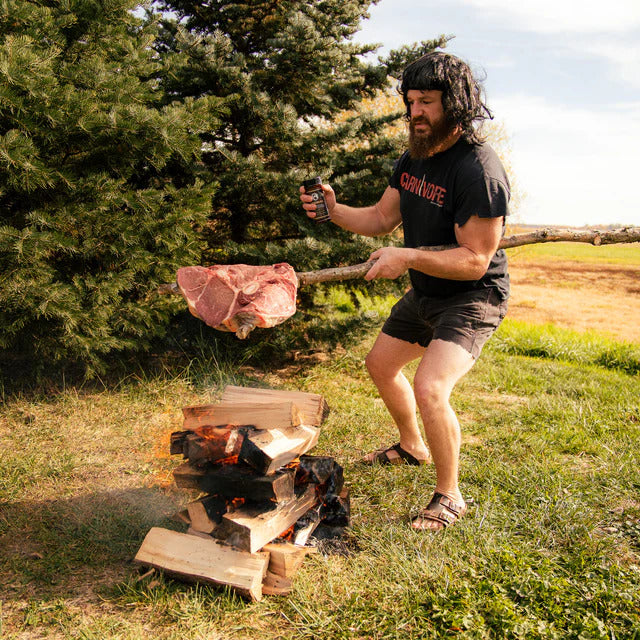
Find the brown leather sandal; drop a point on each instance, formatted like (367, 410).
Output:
(394, 455)
(442, 510)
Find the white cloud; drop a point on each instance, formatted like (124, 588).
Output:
(564, 16)
(575, 166)
(623, 54)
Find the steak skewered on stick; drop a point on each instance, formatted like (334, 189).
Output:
(242, 297)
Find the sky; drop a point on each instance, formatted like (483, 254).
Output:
(563, 79)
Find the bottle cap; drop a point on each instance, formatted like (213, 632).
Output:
(312, 182)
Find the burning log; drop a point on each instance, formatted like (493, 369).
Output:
(249, 528)
(208, 444)
(267, 451)
(234, 481)
(261, 488)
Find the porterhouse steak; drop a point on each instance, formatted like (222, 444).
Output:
(239, 297)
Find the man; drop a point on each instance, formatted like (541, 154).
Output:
(449, 188)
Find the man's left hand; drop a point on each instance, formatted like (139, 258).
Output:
(391, 262)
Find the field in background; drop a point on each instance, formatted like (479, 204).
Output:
(578, 286)
(550, 548)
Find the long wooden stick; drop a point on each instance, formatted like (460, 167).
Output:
(592, 236)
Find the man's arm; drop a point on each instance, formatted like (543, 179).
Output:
(376, 220)
(478, 240)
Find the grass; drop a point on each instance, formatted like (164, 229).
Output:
(613, 254)
(550, 341)
(550, 547)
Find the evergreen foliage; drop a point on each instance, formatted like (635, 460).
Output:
(101, 187)
(132, 146)
(288, 69)
(295, 82)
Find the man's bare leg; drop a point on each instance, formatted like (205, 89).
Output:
(442, 366)
(385, 362)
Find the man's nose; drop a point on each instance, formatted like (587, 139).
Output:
(416, 110)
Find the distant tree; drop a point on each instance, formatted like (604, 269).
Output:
(100, 188)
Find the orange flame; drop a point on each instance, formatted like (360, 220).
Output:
(288, 533)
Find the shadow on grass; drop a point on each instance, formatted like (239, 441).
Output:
(76, 547)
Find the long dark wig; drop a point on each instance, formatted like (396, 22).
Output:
(462, 94)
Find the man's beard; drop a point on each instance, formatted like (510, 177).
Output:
(422, 144)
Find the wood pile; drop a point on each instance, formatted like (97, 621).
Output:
(262, 495)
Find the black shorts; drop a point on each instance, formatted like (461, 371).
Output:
(468, 319)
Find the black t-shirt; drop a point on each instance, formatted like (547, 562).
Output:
(445, 189)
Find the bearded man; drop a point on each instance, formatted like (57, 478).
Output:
(449, 188)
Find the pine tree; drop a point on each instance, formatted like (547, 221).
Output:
(287, 68)
(101, 190)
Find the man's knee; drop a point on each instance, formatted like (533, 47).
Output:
(431, 394)
(374, 363)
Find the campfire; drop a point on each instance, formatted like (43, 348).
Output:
(262, 495)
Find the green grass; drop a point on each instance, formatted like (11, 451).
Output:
(550, 547)
(549, 341)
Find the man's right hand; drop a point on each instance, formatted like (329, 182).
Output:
(310, 207)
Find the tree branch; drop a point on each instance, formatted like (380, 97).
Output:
(351, 272)
(593, 236)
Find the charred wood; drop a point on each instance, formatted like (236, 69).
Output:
(235, 481)
(251, 527)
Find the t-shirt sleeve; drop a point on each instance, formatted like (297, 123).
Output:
(485, 197)
(394, 179)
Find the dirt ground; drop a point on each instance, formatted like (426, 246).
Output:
(578, 296)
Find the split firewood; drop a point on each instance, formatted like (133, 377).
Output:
(272, 415)
(206, 513)
(285, 558)
(313, 406)
(234, 481)
(275, 585)
(198, 559)
(208, 444)
(267, 451)
(251, 527)
(302, 535)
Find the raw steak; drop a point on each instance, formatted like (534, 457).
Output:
(239, 297)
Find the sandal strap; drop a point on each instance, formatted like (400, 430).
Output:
(398, 455)
(442, 509)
